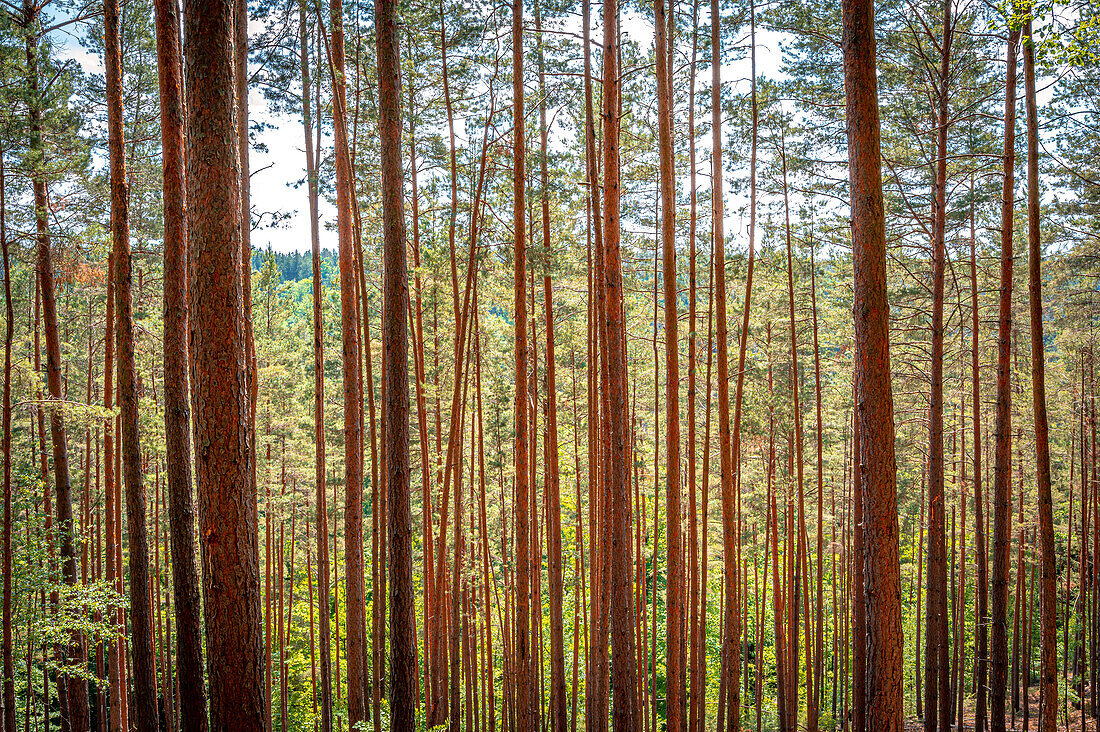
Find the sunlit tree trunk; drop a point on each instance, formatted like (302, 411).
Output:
(675, 580)
(626, 712)
(874, 401)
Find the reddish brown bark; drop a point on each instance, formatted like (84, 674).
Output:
(552, 485)
(981, 651)
(675, 582)
(177, 406)
(521, 653)
(224, 458)
(355, 626)
(1048, 679)
(395, 372)
(874, 401)
(695, 654)
(1002, 467)
(141, 628)
(731, 654)
(626, 713)
(937, 698)
(319, 473)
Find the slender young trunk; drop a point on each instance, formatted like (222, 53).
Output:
(874, 401)
(858, 605)
(177, 406)
(818, 670)
(695, 657)
(981, 650)
(782, 659)
(731, 654)
(1048, 679)
(318, 383)
(1002, 470)
(355, 624)
(521, 654)
(9, 311)
(552, 487)
(937, 697)
(675, 577)
(224, 461)
(798, 566)
(77, 712)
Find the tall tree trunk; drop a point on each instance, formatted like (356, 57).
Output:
(319, 474)
(355, 602)
(552, 486)
(1048, 679)
(874, 401)
(177, 405)
(937, 699)
(981, 651)
(1002, 468)
(731, 653)
(395, 372)
(9, 328)
(224, 458)
(241, 81)
(626, 713)
(521, 654)
(674, 601)
(817, 673)
(77, 712)
(696, 654)
(798, 565)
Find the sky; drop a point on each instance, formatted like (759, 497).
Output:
(277, 160)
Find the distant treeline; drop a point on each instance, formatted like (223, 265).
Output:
(295, 266)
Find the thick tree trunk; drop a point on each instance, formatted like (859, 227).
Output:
(141, 627)
(626, 712)
(395, 372)
(874, 401)
(223, 441)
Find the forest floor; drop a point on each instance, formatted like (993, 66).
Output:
(1077, 718)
